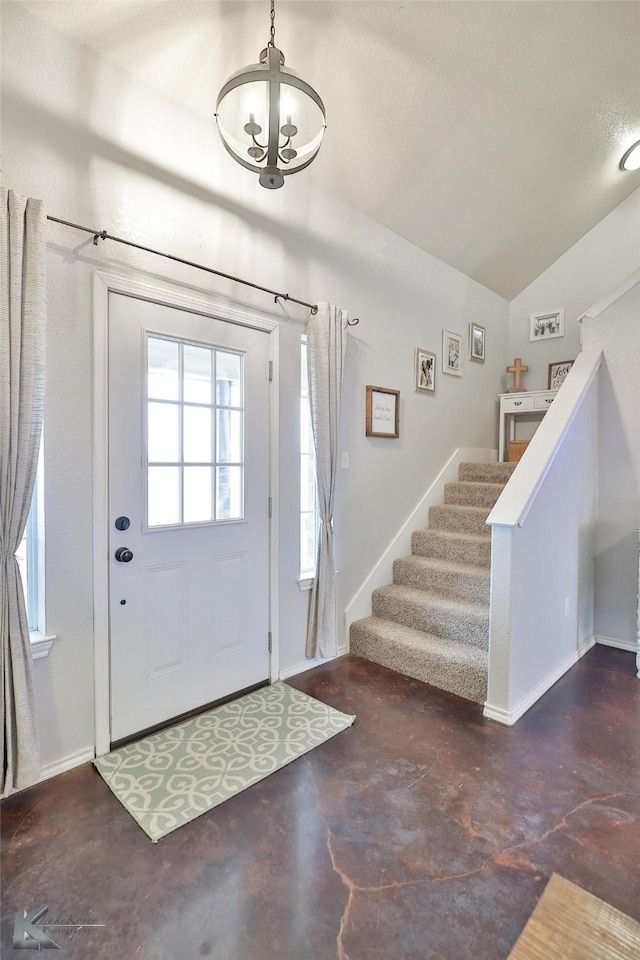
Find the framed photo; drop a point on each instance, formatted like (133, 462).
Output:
(451, 353)
(383, 412)
(557, 373)
(545, 326)
(477, 340)
(425, 371)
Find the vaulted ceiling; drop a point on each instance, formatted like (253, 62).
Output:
(486, 132)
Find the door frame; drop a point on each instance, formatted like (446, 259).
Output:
(196, 301)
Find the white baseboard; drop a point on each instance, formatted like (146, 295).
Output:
(509, 717)
(66, 763)
(300, 667)
(58, 766)
(309, 664)
(382, 573)
(630, 645)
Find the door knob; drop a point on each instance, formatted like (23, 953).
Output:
(122, 523)
(124, 555)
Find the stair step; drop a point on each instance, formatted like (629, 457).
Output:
(486, 472)
(453, 547)
(452, 619)
(472, 494)
(457, 667)
(457, 519)
(464, 581)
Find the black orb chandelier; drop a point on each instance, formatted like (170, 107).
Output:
(270, 120)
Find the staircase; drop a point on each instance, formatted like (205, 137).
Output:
(432, 622)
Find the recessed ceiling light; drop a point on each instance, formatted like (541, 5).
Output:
(631, 159)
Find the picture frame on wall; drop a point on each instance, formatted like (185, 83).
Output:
(425, 371)
(451, 353)
(547, 325)
(383, 412)
(558, 373)
(477, 342)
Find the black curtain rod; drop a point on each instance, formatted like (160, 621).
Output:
(103, 235)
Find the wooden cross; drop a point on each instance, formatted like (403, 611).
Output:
(517, 369)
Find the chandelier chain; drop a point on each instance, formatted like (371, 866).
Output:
(272, 40)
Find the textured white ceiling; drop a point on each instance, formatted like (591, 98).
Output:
(486, 132)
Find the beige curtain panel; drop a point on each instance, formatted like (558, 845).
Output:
(326, 346)
(22, 382)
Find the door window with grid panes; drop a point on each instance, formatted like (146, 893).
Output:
(195, 433)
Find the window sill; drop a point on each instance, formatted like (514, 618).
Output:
(41, 644)
(306, 583)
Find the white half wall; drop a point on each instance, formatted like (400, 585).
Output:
(543, 532)
(616, 331)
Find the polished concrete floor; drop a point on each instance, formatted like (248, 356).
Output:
(424, 832)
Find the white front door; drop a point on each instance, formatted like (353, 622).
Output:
(188, 511)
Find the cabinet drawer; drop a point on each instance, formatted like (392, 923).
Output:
(544, 400)
(517, 404)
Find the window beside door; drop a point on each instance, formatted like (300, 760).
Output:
(309, 514)
(30, 556)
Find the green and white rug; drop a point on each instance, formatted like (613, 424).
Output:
(172, 777)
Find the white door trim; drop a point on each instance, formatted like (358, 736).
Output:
(165, 293)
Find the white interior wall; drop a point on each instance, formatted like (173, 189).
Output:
(616, 331)
(104, 150)
(595, 266)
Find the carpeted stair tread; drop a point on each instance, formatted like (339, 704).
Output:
(469, 493)
(486, 472)
(459, 668)
(461, 620)
(432, 622)
(463, 580)
(453, 546)
(459, 519)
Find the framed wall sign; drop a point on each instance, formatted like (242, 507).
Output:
(557, 373)
(425, 371)
(477, 341)
(451, 353)
(383, 412)
(545, 326)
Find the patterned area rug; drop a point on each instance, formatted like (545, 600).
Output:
(172, 777)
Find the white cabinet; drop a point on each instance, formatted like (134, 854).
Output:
(513, 405)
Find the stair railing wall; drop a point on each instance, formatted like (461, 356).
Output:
(543, 526)
(612, 326)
